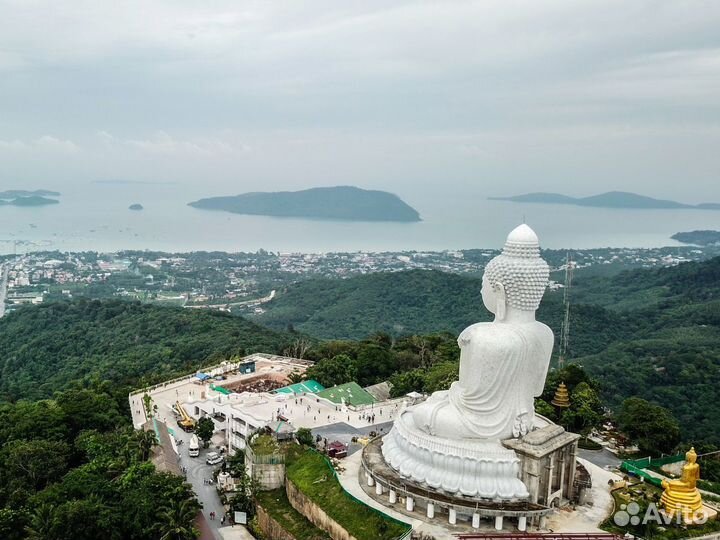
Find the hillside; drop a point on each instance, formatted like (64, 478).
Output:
(32, 200)
(652, 333)
(48, 347)
(412, 302)
(338, 203)
(611, 199)
(698, 238)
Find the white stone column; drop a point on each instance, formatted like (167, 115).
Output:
(452, 516)
(378, 488)
(409, 504)
(498, 523)
(430, 512)
(522, 523)
(370, 480)
(393, 496)
(476, 521)
(543, 522)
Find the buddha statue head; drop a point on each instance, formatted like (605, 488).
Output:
(516, 279)
(691, 455)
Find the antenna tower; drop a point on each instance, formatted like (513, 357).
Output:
(565, 329)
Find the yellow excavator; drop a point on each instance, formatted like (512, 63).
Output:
(186, 422)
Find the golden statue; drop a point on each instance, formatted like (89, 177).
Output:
(682, 496)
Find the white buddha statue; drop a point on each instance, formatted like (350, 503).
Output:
(452, 441)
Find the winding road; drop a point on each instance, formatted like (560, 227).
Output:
(3, 287)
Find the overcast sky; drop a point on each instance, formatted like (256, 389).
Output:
(487, 97)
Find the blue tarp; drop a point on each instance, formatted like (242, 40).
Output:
(202, 376)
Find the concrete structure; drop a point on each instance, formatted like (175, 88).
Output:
(547, 457)
(238, 415)
(268, 470)
(479, 450)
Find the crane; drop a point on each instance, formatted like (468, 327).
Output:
(565, 328)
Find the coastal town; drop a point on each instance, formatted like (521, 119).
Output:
(243, 282)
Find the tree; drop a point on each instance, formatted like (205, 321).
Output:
(41, 523)
(176, 521)
(652, 427)
(205, 429)
(333, 371)
(298, 348)
(36, 462)
(305, 436)
(409, 381)
(142, 442)
(296, 377)
(235, 464)
(585, 411)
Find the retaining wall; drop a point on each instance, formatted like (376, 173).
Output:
(271, 528)
(316, 515)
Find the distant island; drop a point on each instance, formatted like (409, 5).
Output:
(337, 203)
(15, 193)
(136, 206)
(611, 199)
(698, 238)
(28, 201)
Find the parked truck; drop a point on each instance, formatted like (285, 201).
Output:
(194, 447)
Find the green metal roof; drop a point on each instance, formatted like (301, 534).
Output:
(350, 392)
(306, 387)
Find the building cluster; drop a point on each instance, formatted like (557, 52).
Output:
(246, 281)
(231, 394)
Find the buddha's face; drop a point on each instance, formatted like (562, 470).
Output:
(490, 296)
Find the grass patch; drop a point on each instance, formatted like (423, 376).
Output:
(311, 474)
(276, 504)
(264, 445)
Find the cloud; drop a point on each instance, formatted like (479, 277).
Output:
(43, 144)
(390, 90)
(164, 144)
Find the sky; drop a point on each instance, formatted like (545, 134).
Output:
(480, 98)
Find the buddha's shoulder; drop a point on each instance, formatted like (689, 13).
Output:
(494, 333)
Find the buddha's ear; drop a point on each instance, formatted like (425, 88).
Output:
(501, 302)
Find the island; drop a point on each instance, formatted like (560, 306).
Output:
(135, 206)
(346, 203)
(15, 193)
(611, 199)
(28, 201)
(698, 238)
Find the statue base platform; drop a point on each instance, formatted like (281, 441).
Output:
(388, 487)
(464, 467)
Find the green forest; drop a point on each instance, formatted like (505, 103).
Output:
(72, 468)
(645, 345)
(45, 348)
(647, 333)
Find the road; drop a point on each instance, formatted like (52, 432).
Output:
(4, 271)
(602, 458)
(197, 473)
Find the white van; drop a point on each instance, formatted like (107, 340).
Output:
(194, 447)
(213, 458)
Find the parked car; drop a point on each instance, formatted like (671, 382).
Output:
(213, 458)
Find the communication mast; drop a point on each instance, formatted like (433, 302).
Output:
(565, 329)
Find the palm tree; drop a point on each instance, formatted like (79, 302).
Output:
(41, 523)
(145, 441)
(176, 521)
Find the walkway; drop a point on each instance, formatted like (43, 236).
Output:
(349, 479)
(585, 519)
